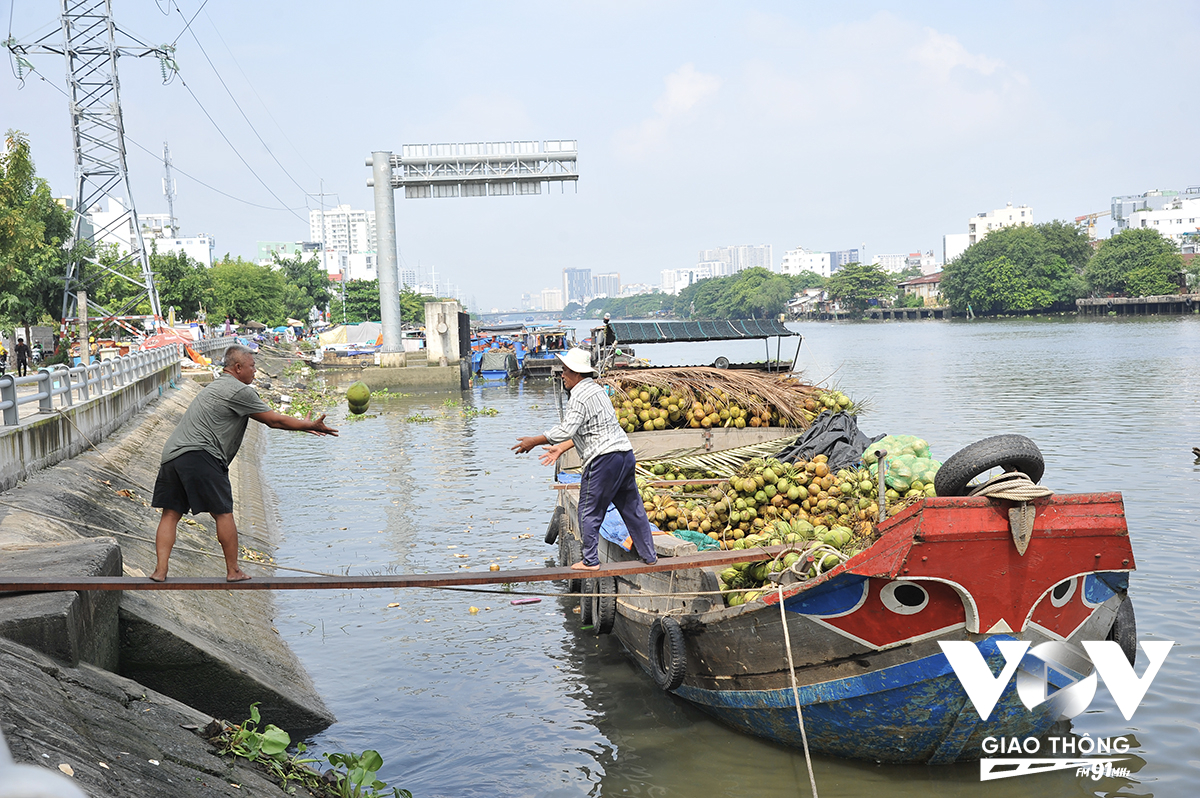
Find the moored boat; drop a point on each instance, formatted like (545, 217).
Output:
(866, 665)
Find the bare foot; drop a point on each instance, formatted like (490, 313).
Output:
(154, 577)
(581, 566)
(237, 576)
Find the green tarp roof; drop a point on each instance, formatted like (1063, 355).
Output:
(657, 332)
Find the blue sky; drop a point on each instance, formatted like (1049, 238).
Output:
(699, 124)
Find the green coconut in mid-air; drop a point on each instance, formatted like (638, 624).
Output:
(358, 396)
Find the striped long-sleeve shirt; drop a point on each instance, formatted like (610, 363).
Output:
(591, 423)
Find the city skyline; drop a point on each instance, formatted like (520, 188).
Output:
(873, 123)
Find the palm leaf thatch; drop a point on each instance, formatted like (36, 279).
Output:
(723, 463)
(754, 391)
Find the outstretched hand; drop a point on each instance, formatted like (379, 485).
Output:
(526, 444)
(553, 453)
(318, 426)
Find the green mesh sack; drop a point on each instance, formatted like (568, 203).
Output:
(897, 445)
(905, 469)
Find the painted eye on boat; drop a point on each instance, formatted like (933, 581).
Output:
(904, 598)
(1063, 592)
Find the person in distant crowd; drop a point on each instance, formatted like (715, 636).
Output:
(3, 359)
(194, 474)
(591, 427)
(21, 350)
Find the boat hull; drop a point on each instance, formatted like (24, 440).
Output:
(872, 681)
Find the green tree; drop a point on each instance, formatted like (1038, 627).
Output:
(182, 282)
(307, 285)
(33, 230)
(244, 291)
(856, 284)
(361, 302)
(1016, 269)
(1135, 263)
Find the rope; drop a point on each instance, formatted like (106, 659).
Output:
(787, 644)
(1012, 485)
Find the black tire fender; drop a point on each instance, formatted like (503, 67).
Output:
(604, 604)
(998, 451)
(1124, 630)
(554, 527)
(570, 551)
(721, 363)
(585, 602)
(664, 648)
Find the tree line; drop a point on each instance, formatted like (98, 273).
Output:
(1043, 267)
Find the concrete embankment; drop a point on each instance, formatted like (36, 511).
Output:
(216, 652)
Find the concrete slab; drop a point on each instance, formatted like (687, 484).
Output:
(72, 627)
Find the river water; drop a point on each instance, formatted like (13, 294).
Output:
(516, 701)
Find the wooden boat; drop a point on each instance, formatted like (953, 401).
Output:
(548, 342)
(870, 676)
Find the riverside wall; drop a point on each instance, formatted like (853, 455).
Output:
(110, 677)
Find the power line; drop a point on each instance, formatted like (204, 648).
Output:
(190, 21)
(242, 112)
(235, 150)
(261, 102)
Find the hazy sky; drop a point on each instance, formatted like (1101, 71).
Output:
(823, 125)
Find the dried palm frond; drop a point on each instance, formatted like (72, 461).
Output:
(755, 391)
(726, 462)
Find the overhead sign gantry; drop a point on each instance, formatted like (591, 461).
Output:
(428, 171)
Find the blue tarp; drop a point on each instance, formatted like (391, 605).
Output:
(612, 528)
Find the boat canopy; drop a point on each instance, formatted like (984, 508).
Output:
(659, 332)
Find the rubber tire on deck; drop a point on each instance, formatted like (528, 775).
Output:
(585, 603)
(604, 605)
(1124, 630)
(664, 648)
(998, 451)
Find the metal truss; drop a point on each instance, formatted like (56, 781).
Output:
(483, 169)
(98, 134)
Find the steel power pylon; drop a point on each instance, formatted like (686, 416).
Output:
(98, 134)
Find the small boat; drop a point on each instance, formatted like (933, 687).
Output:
(546, 344)
(512, 337)
(498, 364)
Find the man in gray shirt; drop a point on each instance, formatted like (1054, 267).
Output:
(194, 475)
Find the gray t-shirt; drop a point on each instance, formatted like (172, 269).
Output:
(216, 420)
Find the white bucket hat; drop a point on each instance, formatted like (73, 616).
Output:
(577, 360)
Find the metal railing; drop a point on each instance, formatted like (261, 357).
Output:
(209, 344)
(80, 383)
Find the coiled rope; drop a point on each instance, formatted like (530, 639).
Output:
(1017, 487)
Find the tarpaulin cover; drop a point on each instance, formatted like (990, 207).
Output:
(367, 332)
(835, 435)
(657, 332)
(612, 528)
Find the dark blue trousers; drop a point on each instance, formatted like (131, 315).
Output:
(609, 479)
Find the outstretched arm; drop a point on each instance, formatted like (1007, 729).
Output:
(282, 421)
(554, 452)
(528, 443)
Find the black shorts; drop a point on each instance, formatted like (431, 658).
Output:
(194, 482)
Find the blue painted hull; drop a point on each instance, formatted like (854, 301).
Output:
(914, 712)
(493, 375)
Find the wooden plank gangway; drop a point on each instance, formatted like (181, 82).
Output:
(10, 583)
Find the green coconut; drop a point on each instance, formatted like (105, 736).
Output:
(358, 394)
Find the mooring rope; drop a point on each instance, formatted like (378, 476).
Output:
(1012, 485)
(787, 644)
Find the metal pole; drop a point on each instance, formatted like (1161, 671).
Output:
(385, 250)
(85, 351)
(881, 455)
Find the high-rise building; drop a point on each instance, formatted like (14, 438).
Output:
(734, 259)
(675, 280)
(577, 285)
(1125, 206)
(802, 260)
(843, 257)
(408, 278)
(343, 230)
(1176, 220)
(607, 285)
(891, 262)
(552, 299)
(980, 225)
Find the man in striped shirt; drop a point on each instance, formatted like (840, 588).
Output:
(590, 426)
